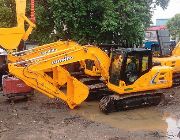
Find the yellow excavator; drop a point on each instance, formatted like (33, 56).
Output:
(136, 85)
(128, 77)
(172, 61)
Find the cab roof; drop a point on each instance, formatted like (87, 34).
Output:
(132, 50)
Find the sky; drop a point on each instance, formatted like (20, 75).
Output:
(172, 9)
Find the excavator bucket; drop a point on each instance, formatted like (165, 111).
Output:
(77, 92)
(10, 37)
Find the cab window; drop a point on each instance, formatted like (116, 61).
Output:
(145, 65)
(132, 68)
(115, 69)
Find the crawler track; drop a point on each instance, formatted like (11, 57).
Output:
(93, 83)
(176, 80)
(115, 103)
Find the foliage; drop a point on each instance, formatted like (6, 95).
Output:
(44, 22)
(103, 21)
(7, 13)
(88, 21)
(162, 3)
(174, 26)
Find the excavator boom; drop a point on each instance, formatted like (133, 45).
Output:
(33, 72)
(40, 51)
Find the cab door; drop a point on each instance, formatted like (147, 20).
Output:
(135, 65)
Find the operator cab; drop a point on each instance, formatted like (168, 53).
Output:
(128, 64)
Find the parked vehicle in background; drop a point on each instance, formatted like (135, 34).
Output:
(157, 38)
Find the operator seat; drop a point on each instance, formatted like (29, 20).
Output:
(131, 71)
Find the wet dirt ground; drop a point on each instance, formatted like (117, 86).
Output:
(43, 118)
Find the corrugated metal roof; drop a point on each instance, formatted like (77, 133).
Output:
(155, 28)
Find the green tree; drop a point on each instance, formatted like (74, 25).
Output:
(44, 22)
(103, 21)
(94, 21)
(174, 26)
(162, 3)
(7, 13)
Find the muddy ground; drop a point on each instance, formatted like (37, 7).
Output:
(43, 118)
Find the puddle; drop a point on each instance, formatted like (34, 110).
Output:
(146, 119)
(173, 130)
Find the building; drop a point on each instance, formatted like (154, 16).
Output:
(151, 32)
(161, 22)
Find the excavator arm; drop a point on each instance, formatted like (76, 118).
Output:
(76, 92)
(11, 37)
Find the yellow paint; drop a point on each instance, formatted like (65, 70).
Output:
(172, 61)
(33, 72)
(11, 37)
(31, 65)
(176, 51)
